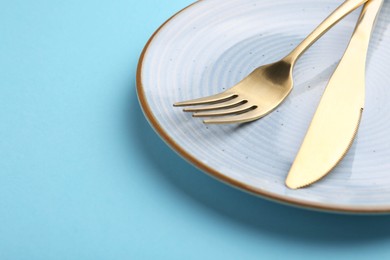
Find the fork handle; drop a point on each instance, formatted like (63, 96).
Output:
(343, 10)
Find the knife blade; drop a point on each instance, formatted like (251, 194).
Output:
(337, 118)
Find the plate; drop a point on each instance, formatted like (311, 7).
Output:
(212, 44)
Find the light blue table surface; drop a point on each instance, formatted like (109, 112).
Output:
(83, 176)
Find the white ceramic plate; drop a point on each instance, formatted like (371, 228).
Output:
(213, 44)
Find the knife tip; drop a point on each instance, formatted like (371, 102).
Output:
(292, 185)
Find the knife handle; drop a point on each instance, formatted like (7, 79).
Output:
(343, 10)
(367, 19)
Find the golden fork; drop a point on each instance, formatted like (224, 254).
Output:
(266, 87)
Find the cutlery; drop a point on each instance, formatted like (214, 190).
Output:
(337, 118)
(266, 87)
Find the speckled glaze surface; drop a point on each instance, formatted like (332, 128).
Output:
(213, 44)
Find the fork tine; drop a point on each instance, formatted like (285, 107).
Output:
(227, 104)
(220, 97)
(224, 112)
(241, 118)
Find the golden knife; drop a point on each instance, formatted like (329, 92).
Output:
(336, 120)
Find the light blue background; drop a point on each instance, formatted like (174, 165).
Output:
(83, 176)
